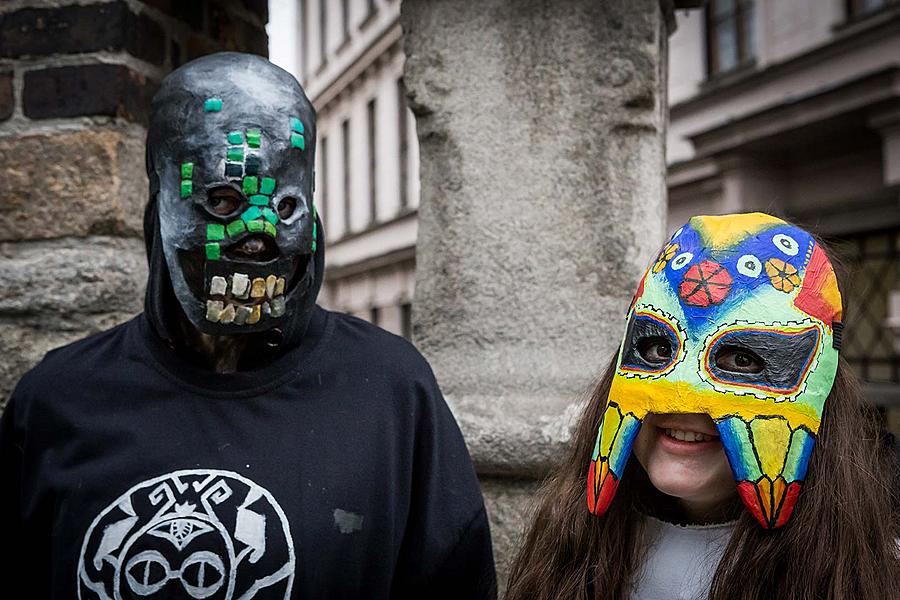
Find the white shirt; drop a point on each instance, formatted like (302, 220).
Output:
(680, 560)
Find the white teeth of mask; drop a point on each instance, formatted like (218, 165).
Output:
(238, 300)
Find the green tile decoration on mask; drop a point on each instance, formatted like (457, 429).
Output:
(243, 164)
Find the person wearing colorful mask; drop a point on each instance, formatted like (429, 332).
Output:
(235, 440)
(757, 469)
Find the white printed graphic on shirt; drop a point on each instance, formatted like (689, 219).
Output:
(200, 533)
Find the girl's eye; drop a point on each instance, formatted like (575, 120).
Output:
(738, 360)
(224, 200)
(655, 349)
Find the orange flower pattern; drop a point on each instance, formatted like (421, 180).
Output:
(783, 276)
(664, 257)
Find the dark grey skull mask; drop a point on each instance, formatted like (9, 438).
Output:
(231, 153)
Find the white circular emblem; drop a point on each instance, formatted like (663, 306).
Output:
(786, 244)
(198, 533)
(749, 266)
(681, 261)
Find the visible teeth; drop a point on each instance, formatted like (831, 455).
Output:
(242, 314)
(258, 290)
(227, 315)
(270, 285)
(240, 285)
(277, 306)
(279, 286)
(254, 317)
(689, 436)
(214, 310)
(218, 286)
(266, 309)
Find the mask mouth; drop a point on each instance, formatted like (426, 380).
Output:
(253, 248)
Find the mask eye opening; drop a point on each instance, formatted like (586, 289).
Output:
(736, 359)
(224, 200)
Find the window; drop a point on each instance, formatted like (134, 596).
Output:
(345, 20)
(871, 261)
(730, 35)
(371, 7)
(859, 8)
(370, 119)
(345, 156)
(375, 315)
(403, 120)
(323, 32)
(406, 320)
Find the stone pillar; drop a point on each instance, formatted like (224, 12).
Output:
(76, 80)
(541, 125)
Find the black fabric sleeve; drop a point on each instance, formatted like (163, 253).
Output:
(446, 550)
(11, 526)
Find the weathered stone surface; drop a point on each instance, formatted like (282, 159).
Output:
(72, 183)
(7, 99)
(55, 292)
(541, 128)
(543, 198)
(509, 504)
(88, 90)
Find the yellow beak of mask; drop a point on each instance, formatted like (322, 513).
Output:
(749, 282)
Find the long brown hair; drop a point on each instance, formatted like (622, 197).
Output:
(840, 543)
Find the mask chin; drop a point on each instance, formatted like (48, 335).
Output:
(231, 296)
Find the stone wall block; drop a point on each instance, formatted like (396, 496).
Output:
(7, 98)
(509, 504)
(72, 183)
(88, 90)
(57, 291)
(72, 29)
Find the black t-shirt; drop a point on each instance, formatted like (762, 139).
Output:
(335, 472)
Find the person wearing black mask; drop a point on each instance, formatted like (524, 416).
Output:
(236, 440)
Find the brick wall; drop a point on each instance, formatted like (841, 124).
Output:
(76, 79)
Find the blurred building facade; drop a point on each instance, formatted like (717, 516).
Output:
(785, 106)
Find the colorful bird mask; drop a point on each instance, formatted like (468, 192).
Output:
(749, 282)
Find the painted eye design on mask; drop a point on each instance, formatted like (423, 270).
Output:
(767, 361)
(653, 344)
(224, 201)
(681, 261)
(749, 266)
(786, 244)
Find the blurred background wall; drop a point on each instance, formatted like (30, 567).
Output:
(786, 106)
(76, 79)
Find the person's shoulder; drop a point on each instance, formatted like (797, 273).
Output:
(71, 364)
(378, 348)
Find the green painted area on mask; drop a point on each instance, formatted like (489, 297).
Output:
(255, 226)
(313, 245)
(251, 185)
(235, 154)
(296, 125)
(212, 105)
(269, 215)
(215, 232)
(259, 200)
(297, 141)
(269, 228)
(187, 188)
(187, 170)
(267, 186)
(213, 251)
(253, 138)
(235, 137)
(236, 227)
(251, 213)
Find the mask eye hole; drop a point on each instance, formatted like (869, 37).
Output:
(286, 208)
(656, 350)
(738, 360)
(224, 200)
